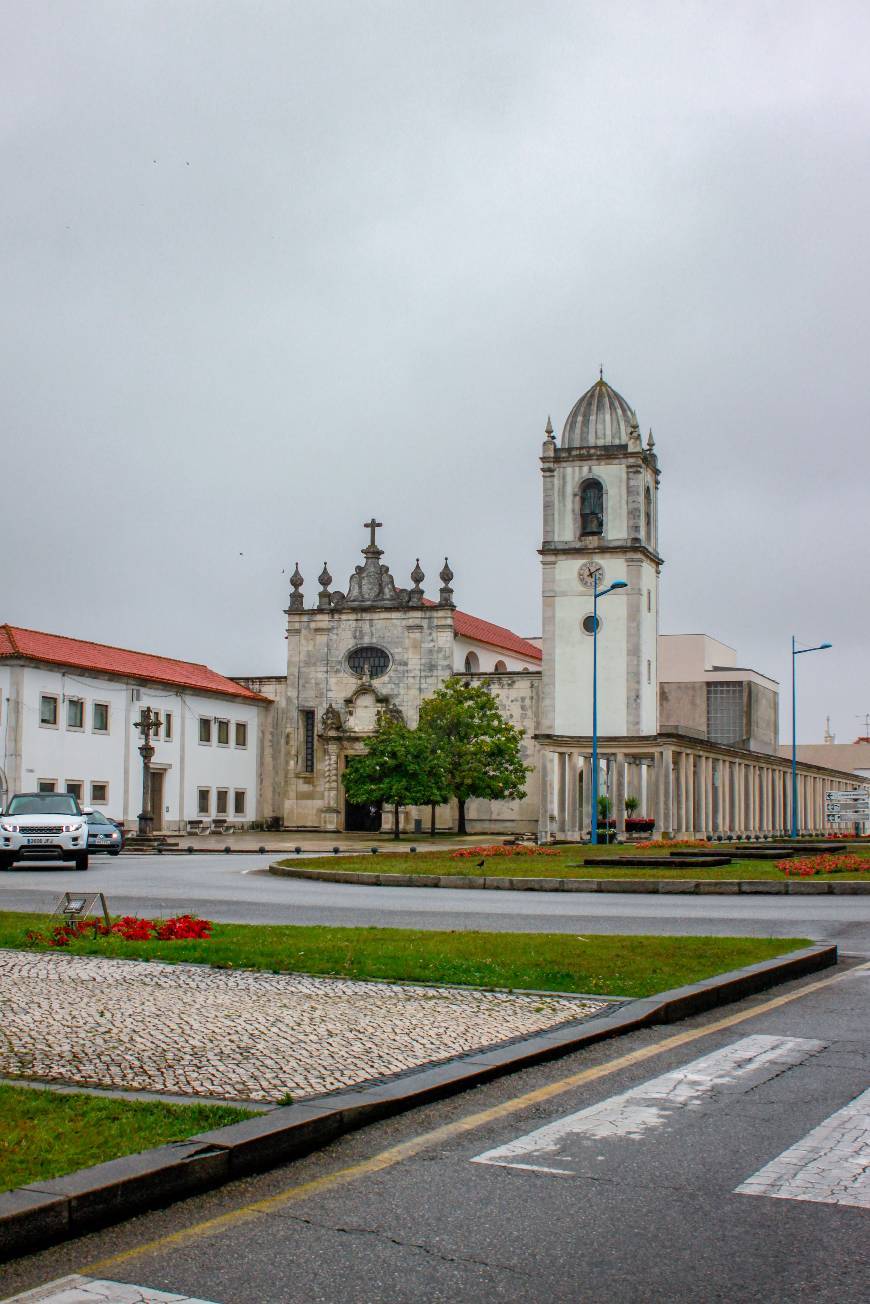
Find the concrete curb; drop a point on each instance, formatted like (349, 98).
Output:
(696, 887)
(43, 1213)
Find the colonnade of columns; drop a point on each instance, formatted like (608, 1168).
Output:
(685, 791)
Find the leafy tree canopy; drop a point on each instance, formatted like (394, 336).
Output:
(398, 769)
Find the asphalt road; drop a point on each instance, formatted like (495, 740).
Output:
(696, 1162)
(236, 889)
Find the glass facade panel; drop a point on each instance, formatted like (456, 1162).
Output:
(725, 712)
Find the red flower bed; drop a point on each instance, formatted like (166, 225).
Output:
(826, 863)
(521, 849)
(182, 928)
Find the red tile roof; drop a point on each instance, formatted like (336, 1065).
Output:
(484, 631)
(56, 649)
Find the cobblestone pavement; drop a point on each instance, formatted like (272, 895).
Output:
(190, 1030)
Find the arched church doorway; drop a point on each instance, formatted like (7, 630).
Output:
(361, 817)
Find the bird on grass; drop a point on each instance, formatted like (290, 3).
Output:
(480, 864)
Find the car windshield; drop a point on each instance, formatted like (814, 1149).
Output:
(44, 803)
(96, 818)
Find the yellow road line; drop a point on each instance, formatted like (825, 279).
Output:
(407, 1149)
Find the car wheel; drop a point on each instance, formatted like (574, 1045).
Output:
(6, 861)
(81, 860)
(117, 852)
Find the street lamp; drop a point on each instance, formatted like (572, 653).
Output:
(796, 652)
(617, 584)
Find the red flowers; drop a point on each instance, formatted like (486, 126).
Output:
(826, 863)
(521, 849)
(183, 928)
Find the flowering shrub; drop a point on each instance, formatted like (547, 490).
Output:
(521, 849)
(182, 928)
(826, 863)
(673, 842)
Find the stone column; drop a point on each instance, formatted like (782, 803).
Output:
(573, 792)
(586, 822)
(708, 784)
(690, 792)
(665, 791)
(543, 795)
(619, 792)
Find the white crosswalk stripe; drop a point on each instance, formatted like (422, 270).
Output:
(558, 1147)
(831, 1165)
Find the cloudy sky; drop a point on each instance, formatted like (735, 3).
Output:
(270, 267)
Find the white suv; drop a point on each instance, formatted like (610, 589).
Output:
(39, 825)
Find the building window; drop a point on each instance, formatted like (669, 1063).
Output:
(167, 726)
(591, 624)
(223, 733)
(239, 801)
(48, 714)
(649, 672)
(75, 713)
(649, 599)
(371, 661)
(99, 792)
(221, 801)
(647, 515)
(501, 666)
(205, 729)
(472, 663)
(46, 785)
(308, 741)
(101, 717)
(203, 800)
(241, 733)
(76, 788)
(725, 712)
(592, 507)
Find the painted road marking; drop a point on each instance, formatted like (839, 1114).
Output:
(397, 1154)
(831, 1165)
(87, 1290)
(650, 1105)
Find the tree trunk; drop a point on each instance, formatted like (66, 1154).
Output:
(396, 821)
(462, 828)
(432, 821)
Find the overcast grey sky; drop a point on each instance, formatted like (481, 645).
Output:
(268, 268)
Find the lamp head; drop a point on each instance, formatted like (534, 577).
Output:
(619, 584)
(824, 645)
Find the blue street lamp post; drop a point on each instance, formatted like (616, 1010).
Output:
(795, 653)
(617, 584)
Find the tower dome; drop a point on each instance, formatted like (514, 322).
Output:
(599, 417)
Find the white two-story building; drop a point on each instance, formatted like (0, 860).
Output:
(68, 713)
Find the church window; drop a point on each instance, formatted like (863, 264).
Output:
(371, 661)
(592, 507)
(308, 742)
(500, 665)
(591, 624)
(472, 663)
(647, 515)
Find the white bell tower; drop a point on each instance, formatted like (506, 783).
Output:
(600, 494)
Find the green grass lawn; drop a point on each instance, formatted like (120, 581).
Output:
(568, 863)
(602, 964)
(45, 1134)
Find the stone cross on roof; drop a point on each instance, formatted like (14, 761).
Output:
(372, 525)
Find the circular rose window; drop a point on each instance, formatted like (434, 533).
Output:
(369, 660)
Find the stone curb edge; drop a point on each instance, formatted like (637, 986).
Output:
(697, 887)
(42, 1213)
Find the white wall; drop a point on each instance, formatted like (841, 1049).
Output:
(488, 655)
(67, 754)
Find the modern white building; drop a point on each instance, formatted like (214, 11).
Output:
(68, 711)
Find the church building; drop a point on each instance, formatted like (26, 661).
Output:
(695, 747)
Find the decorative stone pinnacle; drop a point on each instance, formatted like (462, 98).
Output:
(296, 580)
(650, 443)
(446, 574)
(417, 575)
(548, 429)
(445, 595)
(634, 425)
(324, 579)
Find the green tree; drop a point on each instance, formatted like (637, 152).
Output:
(398, 768)
(477, 749)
